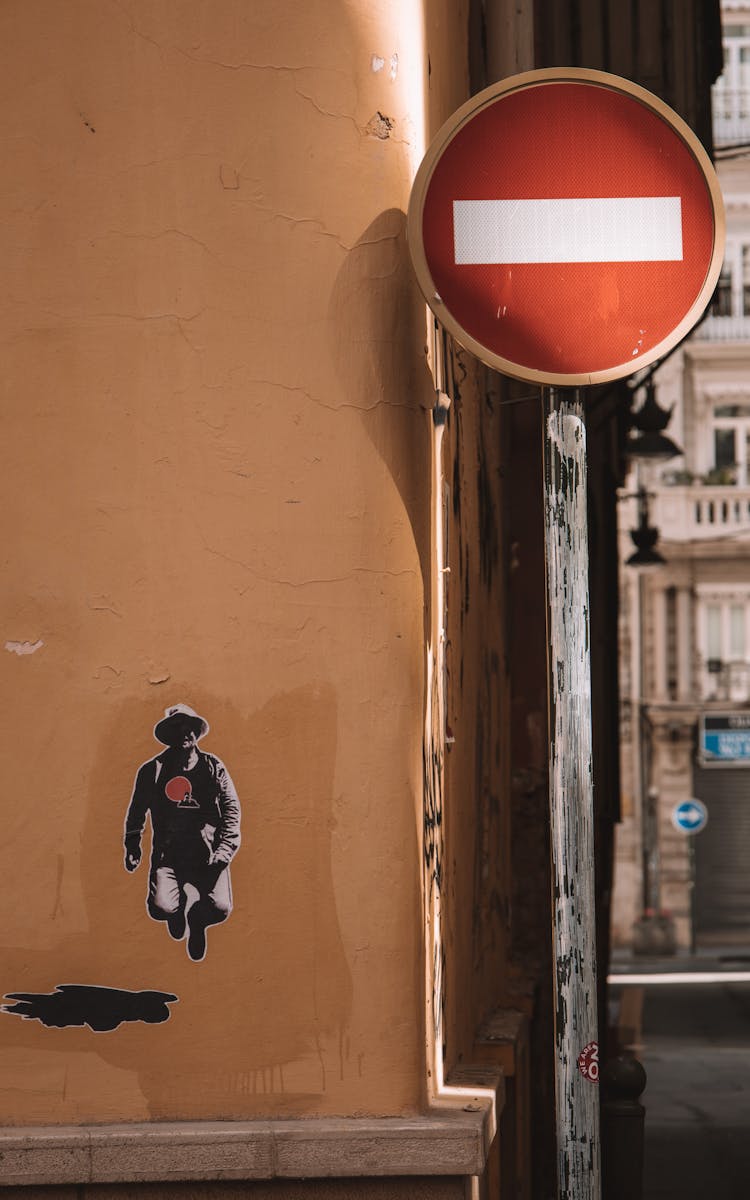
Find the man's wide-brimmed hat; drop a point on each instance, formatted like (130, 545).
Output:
(174, 717)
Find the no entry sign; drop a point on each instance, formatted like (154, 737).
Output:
(567, 227)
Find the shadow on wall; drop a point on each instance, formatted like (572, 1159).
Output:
(379, 331)
(246, 1032)
(376, 305)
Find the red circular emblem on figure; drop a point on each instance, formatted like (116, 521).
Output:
(179, 789)
(588, 1062)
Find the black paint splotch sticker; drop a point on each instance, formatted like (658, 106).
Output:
(101, 1008)
(194, 810)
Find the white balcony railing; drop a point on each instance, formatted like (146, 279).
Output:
(731, 116)
(699, 513)
(723, 329)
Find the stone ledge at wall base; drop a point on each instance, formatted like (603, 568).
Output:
(452, 1140)
(654, 934)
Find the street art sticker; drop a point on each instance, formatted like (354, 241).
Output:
(101, 1008)
(194, 811)
(588, 1062)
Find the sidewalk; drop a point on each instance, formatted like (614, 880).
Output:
(719, 958)
(694, 1042)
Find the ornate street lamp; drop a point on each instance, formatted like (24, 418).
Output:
(645, 537)
(652, 443)
(653, 932)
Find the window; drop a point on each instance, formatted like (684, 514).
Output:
(671, 641)
(723, 642)
(713, 632)
(736, 631)
(732, 410)
(731, 445)
(731, 296)
(724, 454)
(721, 304)
(731, 92)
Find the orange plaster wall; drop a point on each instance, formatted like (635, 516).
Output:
(216, 490)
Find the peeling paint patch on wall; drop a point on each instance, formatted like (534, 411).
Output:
(377, 63)
(24, 647)
(380, 126)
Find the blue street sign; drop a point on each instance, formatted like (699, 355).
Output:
(725, 739)
(690, 816)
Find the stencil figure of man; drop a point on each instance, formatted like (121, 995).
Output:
(195, 823)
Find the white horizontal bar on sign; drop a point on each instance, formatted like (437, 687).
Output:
(608, 229)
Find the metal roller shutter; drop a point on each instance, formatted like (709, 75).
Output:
(722, 852)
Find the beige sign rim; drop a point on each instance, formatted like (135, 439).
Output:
(453, 126)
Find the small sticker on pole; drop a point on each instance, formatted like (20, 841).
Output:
(588, 1062)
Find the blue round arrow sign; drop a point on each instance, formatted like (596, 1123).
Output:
(690, 816)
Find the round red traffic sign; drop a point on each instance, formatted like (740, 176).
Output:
(567, 227)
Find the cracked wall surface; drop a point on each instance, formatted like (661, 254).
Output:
(216, 490)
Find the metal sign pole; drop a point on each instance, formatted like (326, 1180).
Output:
(571, 796)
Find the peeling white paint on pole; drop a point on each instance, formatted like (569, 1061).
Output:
(571, 796)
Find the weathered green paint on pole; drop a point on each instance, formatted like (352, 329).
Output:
(571, 796)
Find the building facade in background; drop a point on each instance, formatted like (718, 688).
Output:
(686, 621)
